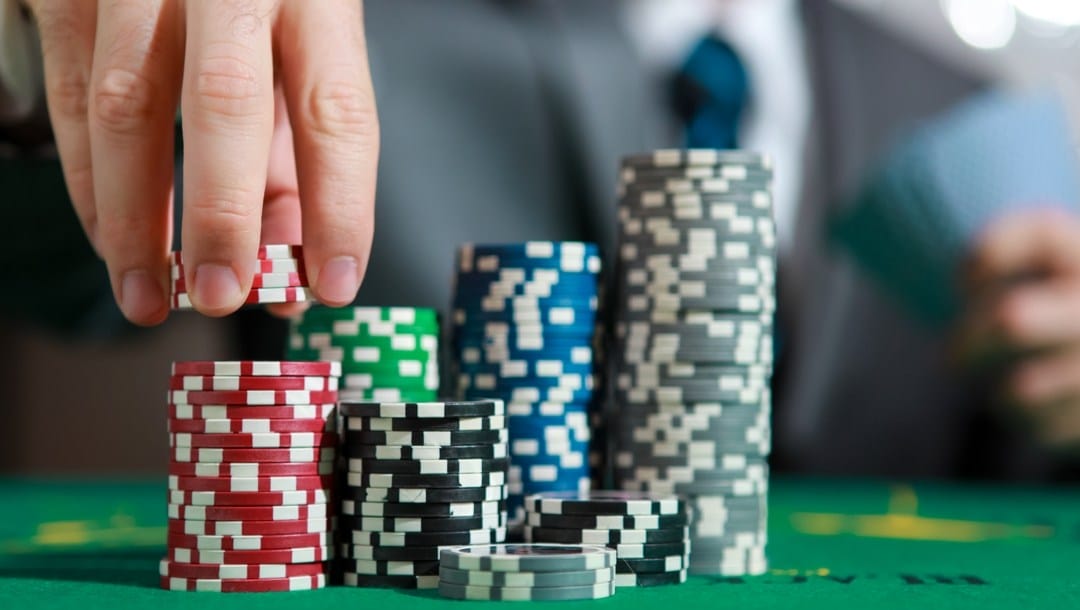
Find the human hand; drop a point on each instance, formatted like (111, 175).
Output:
(258, 158)
(1024, 286)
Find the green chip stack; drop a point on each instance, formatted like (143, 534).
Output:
(386, 353)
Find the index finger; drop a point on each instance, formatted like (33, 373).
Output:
(336, 131)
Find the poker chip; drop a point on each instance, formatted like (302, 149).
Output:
(425, 452)
(259, 455)
(489, 535)
(671, 563)
(257, 296)
(290, 556)
(357, 552)
(253, 440)
(250, 484)
(249, 528)
(650, 580)
(386, 424)
(183, 412)
(250, 469)
(429, 438)
(422, 524)
(262, 266)
(412, 509)
(424, 410)
(437, 481)
(607, 522)
(420, 495)
(252, 397)
(693, 345)
(250, 426)
(171, 569)
(528, 557)
(527, 579)
(206, 383)
(293, 512)
(258, 585)
(621, 503)
(477, 592)
(248, 368)
(428, 467)
(266, 252)
(374, 567)
(258, 498)
(352, 579)
(254, 542)
(610, 536)
(261, 280)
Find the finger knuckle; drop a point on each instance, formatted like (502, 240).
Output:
(223, 207)
(123, 101)
(342, 109)
(227, 86)
(67, 93)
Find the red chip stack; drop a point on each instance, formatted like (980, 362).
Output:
(279, 278)
(251, 476)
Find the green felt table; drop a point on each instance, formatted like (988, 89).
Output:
(833, 544)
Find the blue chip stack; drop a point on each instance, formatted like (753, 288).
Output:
(525, 331)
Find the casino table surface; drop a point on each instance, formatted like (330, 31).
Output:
(833, 544)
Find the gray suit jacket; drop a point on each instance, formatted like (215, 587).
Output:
(504, 121)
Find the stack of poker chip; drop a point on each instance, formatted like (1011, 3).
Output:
(524, 331)
(693, 344)
(386, 353)
(251, 471)
(527, 572)
(279, 278)
(648, 532)
(418, 477)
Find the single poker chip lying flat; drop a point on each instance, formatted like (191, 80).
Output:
(421, 524)
(233, 383)
(250, 528)
(249, 426)
(436, 438)
(650, 580)
(253, 440)
(422, 510)
(294, 555)
(390, 582)
(248, 542)
(258, 498)
(250, 469)
(357, 552)
(616, 536)
(477, 592)
(260, 455)
(651, 551)
(251, 484)
(425, 496)
(293, 512)
(376, 424)
(257, 296)
(241, 412)
(426, 452)
(409, 410)
(423, 539)
(605, 503)
(607, 522)
(672, 563)
(485, 578)
(239, 571)
(259, 585)
(261, 368)
(427, 467)
(375, 567)
(528, 557)
(435, 481)
(252, 397)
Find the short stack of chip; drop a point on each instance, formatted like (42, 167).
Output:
(527, 572)
(525, 320)
(386, 353)
(648, 532)
(251, 471)
(693, 344)
(279, 278)
(419, 476)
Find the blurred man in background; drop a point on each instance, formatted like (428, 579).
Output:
(504, 121)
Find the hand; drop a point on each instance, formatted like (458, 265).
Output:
(1024, 286)
(115, 71)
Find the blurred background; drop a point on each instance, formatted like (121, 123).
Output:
(503, 121)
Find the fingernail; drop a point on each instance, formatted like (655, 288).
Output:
(216, 287)
(338, 281)
(141, 298)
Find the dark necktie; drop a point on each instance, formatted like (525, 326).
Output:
(710, 91)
